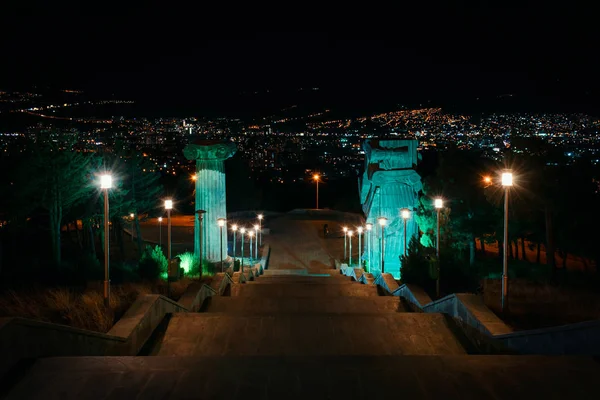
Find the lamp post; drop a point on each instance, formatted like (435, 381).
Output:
(507, 182)
(234, 229)
(260, 217)
(221, 223)
(160, 232)
(131, 216)
(168, 207)
(369, 240)
(382, 221)
(105, 184)
(345, 242)
(256, 242)
(316, 178)
(201, 220)
(438, 203)
(350, 252)
(405, 216)
(251, 234)
(360, 249)
(242, 231)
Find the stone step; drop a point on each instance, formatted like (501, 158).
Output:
(308, 290)
(304, 279)
(204, 334)
(304, 305)
(271, 272)
(418, 377)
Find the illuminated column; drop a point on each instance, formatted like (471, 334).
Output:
(210, 191)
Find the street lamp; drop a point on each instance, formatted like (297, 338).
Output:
(350, 252)
(345, 242)
(251, 234)
(256, 243)
(260, 217)
(221, 223)
(382, 222)
(405, 216)
(105, 184)
(438, 203)
(234, 228)
(131, 216)
(316, 178)
(369, 240)
(507, 182)
(169, 207)
(201, 223)
(160, 232)
(242, 231)
(360, 249)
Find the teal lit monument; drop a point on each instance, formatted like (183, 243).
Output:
(388, 185)
(210, 156)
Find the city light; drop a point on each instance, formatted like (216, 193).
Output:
(439, 203)
(382, 221)
(405, 213)
(234, 227)
(221, 221)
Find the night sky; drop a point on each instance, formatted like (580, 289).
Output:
(541, 57)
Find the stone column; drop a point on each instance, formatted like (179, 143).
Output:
(210, 193)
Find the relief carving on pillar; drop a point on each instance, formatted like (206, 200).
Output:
(210, 150)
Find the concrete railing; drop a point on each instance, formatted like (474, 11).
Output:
(574, 339)
(471, 312)
(22, 338)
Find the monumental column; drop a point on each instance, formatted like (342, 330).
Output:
(210, 192)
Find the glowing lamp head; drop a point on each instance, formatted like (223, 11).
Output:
(316, 177)
(234, 227)
(250, 233)
(255, 227)
(194, 177)
(221, 222)
(487, 179)
(405, 213)
(369, 226)
(382, 221)
(105, 181)
(260, 216)
(243, 230)
(507, 179)
(132, 215)
(438, 203)
(168, 204)
(159, 219)
(350, 233)
(345, 229)
(359, 229)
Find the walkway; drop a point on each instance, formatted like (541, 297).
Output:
(303, 331)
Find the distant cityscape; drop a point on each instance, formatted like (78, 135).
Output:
(289, 145)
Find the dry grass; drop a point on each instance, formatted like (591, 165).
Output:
(82, 309)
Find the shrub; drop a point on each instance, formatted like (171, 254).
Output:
(153, 264)
(189, 263)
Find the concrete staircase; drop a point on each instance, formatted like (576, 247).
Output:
(298, 336)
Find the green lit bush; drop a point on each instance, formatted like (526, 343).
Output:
(153, 264)
(189, 263)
